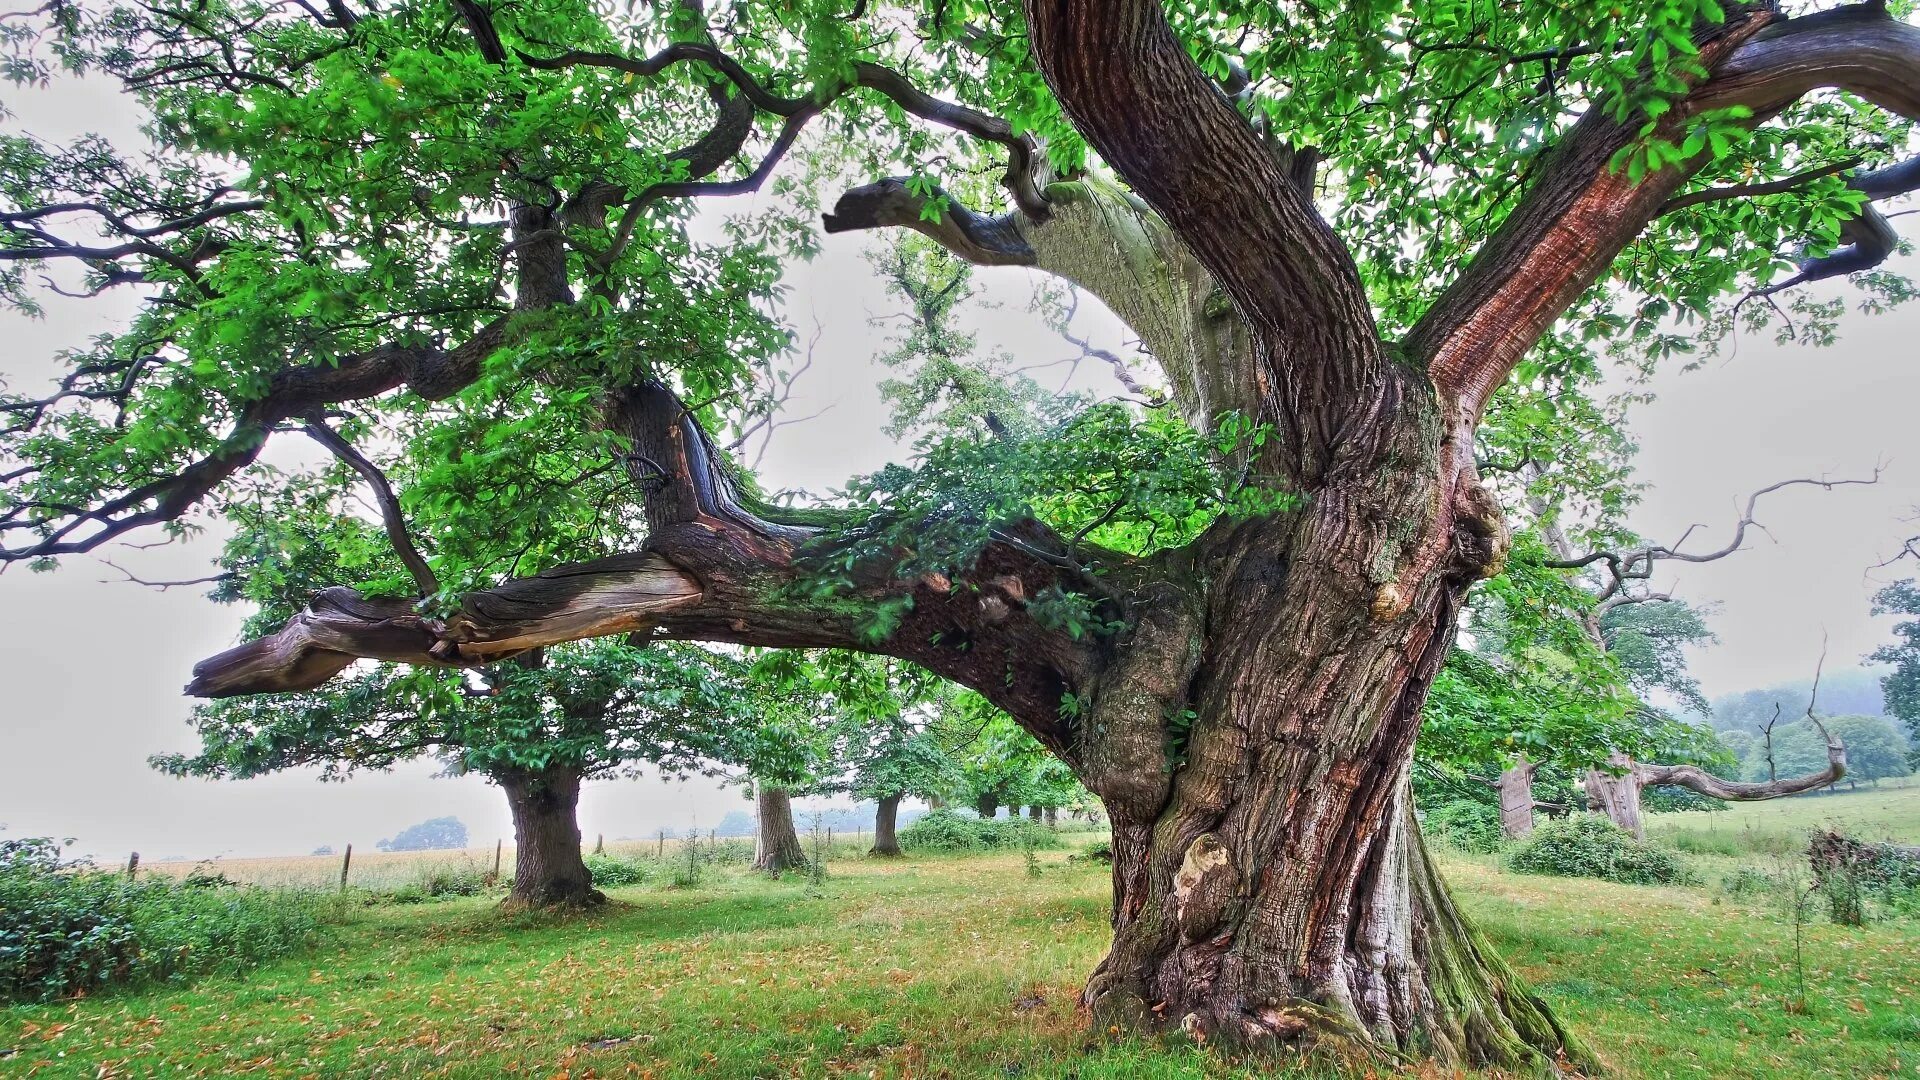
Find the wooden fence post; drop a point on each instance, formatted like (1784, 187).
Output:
(600, 844)
(346, 861)
(133, 865)
(497, 845)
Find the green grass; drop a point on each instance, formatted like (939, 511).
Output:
(962, 967)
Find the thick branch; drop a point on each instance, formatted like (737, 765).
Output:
(1577, 218)
(1696, 779)
(712, 570)
(1108, 242)
(1132, 89)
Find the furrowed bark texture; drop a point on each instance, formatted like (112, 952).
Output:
(776, 845)
(1275, 889)
(886, 838)
(548, 870)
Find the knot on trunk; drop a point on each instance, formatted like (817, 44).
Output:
(1480, 537)
(1206, 887)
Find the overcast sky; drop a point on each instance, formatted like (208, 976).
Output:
(93, 666)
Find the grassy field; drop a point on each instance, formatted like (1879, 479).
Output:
(965, 967)
(382, 870)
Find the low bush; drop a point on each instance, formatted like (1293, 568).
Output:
(1590, 846)
(68, 929)
(1853, 874)
(1464, 825)
(949, 830)
(610, 871)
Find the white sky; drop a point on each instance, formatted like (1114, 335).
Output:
(92, 668)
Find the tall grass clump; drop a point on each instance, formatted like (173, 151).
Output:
(68, 929)
(1590, 846)
(946, 830)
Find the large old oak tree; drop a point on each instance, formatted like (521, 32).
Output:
(453, 233)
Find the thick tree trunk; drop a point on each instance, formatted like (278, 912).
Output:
(1516, 799)
(1033, 813)
(548, 871)
(1278, 891)
(886, 841)
(776, 845)
(1618, 797)
(1053, 817)
(987, 805)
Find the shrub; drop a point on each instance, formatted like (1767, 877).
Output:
(67, 928)
(1851, 872)
(611, 870)
(948, 830)
(1587, 845)
(1465, 825)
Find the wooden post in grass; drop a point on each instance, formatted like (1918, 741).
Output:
(346, 861)
(497, 846)
(133, 865)
(661, 851)
(600, 844)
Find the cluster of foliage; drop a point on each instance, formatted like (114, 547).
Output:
(1856, 876)
(1590, 846)
(950, 830)
(433, 834)
(1902, 684)
(595, 708)
(1470, 825)
(68, 929)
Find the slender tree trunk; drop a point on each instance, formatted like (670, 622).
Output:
(548, 871)
(1516, 799)
(776, 846)
(987, 805)
(885, 841)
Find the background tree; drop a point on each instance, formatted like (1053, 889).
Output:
(539, 726)
(1875, 749)
(1902, 684)
(1264, 577)
(434, 834)
(887, 745)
